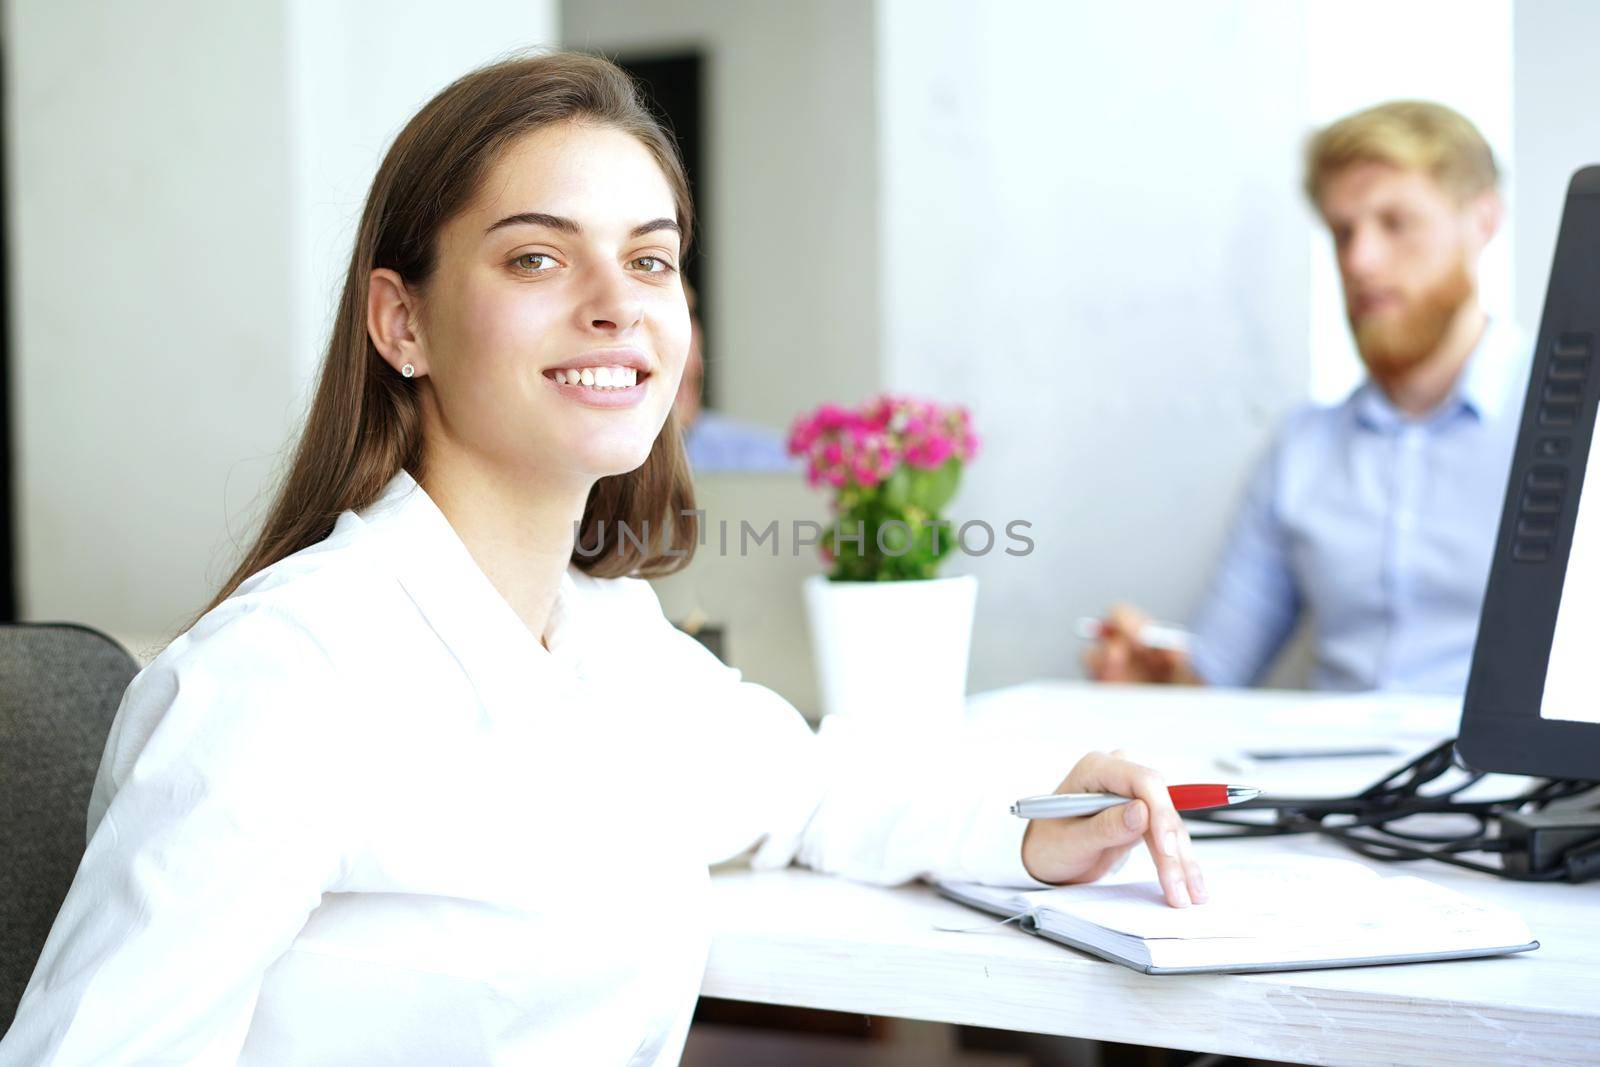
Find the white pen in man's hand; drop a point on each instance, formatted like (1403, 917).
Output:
(1162, 635)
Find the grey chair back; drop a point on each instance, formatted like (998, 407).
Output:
(60, 685)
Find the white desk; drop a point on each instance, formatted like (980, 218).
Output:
(799, 938)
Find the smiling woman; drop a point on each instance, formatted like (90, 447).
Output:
(558, 213)
(360, 811)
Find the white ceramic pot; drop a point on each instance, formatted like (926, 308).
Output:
(893, 651)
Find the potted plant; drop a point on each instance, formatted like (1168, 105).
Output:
(891, 638)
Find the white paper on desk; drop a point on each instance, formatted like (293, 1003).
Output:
(1262, 896)
(1268, 911)
(1366, 718)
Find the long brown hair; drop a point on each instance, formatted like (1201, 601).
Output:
(365, 422)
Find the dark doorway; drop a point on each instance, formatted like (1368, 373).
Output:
(675, 84)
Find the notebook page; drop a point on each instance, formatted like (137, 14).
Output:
(1264, 896)
(1391, 917)
(1424, 907)
(997, 898)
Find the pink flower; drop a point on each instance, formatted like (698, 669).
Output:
(969, 447)
(929, 452)
(868, 444)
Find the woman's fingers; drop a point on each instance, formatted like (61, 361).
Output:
(1108, 862)
(1107, 836)
(1114, 832)
(1166, 836)
(1197, 881)
(1180, 874)
(1120, 826)
(1165, 847)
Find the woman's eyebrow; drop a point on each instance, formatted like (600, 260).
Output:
(655, 225)
(569, 226)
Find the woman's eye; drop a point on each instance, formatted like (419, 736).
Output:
(533, 262)
(652, 264)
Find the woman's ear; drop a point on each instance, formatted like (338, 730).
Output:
(391, 323)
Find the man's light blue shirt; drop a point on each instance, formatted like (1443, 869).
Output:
(1378, 528)
(715, 443)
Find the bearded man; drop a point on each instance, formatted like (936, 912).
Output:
(1374, 519)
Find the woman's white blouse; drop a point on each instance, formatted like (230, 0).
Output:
(359, 814)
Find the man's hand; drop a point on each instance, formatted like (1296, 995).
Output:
(1119, 655)
(1082, 849)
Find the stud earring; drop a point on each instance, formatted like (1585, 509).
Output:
(407, 371)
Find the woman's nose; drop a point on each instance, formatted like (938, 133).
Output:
(609, 303)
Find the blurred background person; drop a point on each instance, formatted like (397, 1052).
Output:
(1374, 519)
(714, 441)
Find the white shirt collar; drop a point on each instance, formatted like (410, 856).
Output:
(486, 636)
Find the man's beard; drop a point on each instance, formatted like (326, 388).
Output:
(1398, 341)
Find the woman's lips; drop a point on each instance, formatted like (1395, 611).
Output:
(590, 396)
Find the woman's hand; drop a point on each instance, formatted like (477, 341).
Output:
(1087, 847)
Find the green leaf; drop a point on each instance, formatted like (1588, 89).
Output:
(897, 490)
(938, 487)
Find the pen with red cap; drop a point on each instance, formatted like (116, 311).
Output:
(1184, 798)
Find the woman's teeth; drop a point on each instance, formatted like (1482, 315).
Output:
(599, 377)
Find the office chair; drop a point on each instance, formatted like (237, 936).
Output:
(60, 685)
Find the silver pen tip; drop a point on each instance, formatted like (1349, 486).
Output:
(1238, 793)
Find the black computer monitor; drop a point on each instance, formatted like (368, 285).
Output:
(1533, 698)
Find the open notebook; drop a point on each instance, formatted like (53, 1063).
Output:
(1273, 912)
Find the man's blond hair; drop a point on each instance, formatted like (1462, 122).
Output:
(1411, 135)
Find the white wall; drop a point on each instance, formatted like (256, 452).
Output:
(150, 273)
(1558, 131)
(1093, 237)
(184, 178)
